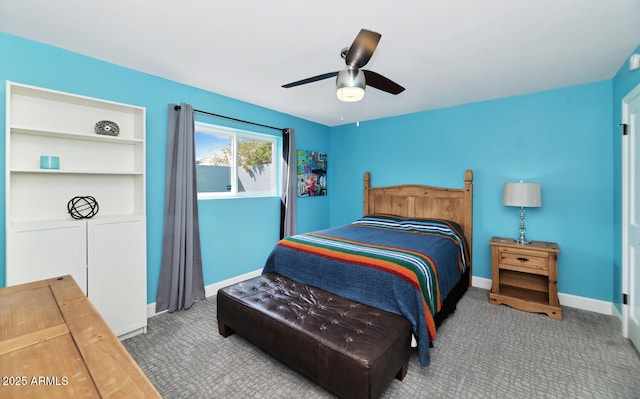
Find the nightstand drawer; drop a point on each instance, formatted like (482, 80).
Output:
(519, 259)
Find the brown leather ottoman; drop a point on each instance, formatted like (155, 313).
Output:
(351, 349)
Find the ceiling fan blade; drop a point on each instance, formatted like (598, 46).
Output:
(310, 80)
(362, 48)
(378, 81)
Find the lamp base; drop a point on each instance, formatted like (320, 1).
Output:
(522, 240)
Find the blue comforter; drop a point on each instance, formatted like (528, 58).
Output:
(405, 266)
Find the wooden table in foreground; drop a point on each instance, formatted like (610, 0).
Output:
(54, 344)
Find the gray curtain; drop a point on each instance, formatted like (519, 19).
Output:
(289, 184)
(181, 281)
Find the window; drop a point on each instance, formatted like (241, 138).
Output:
(234, 163)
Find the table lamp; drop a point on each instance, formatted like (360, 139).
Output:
(524, 195)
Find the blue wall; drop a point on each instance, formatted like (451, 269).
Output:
(559, 138)
(237, 235)
(565, 139)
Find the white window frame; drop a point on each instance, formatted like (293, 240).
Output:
(235, 134)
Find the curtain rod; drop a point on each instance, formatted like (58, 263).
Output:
(177, 107)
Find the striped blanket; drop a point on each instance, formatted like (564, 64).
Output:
(406, 266)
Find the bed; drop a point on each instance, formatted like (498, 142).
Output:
(409, 254)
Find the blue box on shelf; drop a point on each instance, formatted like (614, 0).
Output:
(49, 162)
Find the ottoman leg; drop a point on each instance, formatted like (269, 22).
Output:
(403, 371)
(224, 330)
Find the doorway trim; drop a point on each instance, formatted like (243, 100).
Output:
(626, 169)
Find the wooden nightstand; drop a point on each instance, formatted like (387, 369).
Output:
(525, 277)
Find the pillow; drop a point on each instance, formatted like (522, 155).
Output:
(440, 227)
(385, 220)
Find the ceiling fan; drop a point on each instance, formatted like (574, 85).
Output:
(351, 82)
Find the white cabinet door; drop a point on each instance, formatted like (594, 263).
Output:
(46, 250)
(117, 272)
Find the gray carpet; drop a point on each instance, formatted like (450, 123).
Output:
(482, 351)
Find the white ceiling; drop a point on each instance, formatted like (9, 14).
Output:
(444, 52)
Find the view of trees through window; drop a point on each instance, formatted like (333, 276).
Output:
(224, 156)
(251, 154)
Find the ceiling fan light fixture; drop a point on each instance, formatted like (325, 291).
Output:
(350, 94)
(350, 85)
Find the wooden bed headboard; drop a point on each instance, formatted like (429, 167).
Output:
(412, 200)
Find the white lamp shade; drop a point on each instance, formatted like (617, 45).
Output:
(522, 195)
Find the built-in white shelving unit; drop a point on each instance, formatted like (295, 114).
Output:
(105, 254)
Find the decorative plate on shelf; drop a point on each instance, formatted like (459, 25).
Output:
(107, 128)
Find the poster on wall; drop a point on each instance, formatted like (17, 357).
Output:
(312, 173)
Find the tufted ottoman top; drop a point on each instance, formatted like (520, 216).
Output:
(359, 331)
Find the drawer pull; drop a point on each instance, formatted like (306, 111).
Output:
(522, 260)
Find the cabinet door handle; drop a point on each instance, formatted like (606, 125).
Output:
(522, 260)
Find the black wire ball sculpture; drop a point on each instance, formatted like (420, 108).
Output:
(82, 207)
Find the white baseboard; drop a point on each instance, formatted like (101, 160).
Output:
(481, 282)
(572, 301)
(151, 310)
(593, 305)
(210, 290)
